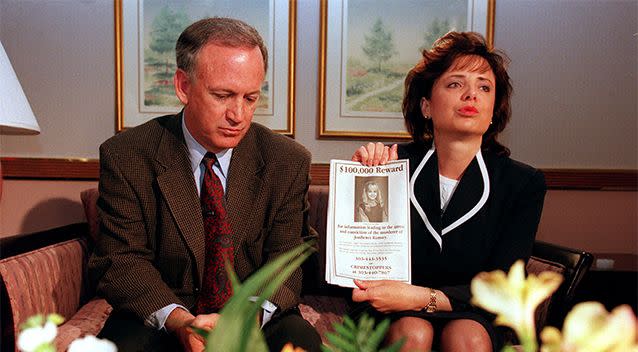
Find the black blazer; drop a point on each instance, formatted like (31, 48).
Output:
(502, 231)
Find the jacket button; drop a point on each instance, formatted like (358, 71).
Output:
(196, 290)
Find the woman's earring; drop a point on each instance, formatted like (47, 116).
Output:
(491, 122)
(429, 117)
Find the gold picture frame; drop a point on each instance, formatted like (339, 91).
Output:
(140, 98)
(360, 93)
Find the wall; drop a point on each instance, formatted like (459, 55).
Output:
(574, 69)
(63, 54)
(31, 206)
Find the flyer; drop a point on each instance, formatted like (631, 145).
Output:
(368, 229)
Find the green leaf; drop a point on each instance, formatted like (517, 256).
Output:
(349, 323)
(199, 331)
(45, 347)
(237, 329)
(326, 348)
(508, 348)
(33, 321)
(378, 334)
(55, 318)
(341, 343)
(395, 347)
(232, 276)
(344, 331)
(361, 337)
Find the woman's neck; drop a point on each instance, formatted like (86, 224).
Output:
(455, 155)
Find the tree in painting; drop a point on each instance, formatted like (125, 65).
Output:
(379, 46)
(160, 62)
(437, 29)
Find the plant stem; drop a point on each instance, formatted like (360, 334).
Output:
(527, 336)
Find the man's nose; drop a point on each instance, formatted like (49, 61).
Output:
(235, 111)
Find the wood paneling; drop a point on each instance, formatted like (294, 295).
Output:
(88, 169)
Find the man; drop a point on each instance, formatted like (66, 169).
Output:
(153, 258)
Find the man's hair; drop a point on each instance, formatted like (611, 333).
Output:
(468, 48)
(223, 31)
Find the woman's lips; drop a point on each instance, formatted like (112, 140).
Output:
(468, 111)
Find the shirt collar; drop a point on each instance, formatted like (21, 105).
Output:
(196, 151)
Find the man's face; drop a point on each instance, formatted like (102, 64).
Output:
(221, 97)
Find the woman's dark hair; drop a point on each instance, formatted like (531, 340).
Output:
(435, 62)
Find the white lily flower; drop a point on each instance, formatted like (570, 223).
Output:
(589, 327)
(90, 343)
(513, 298)
(33, 337)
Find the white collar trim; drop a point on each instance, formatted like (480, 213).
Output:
(486, 192)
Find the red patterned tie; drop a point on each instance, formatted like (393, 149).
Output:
(216, 288)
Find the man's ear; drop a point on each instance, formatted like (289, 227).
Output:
(425, 107)
(182, 84)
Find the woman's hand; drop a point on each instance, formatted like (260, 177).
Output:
(388, 296)
(374, 154)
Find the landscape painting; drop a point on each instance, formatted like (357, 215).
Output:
(146, 33)
(163, 21)
(370, 46)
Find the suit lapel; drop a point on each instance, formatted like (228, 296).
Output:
(178, 189)
(243, 185)
(426, 190)
(467, 194)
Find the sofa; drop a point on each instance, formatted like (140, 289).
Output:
(46, 272)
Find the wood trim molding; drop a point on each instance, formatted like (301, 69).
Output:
(88, 169)
(50, 169)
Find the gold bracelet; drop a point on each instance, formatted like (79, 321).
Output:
(431, 307)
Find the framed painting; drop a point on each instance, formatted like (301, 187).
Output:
(367, 48)
(145, 35)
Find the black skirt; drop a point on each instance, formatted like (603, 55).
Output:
(438, 320)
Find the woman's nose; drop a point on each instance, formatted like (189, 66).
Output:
(469, 95)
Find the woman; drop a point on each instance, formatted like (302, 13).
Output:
(371, 208)
(473, 208)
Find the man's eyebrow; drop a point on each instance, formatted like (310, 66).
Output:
(229, 91)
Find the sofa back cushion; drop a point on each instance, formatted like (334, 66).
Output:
(46, 280)
(89, 201)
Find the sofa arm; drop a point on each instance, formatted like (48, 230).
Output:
(43, 281)
(89, 320)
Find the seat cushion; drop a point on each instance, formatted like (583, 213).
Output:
(322, 312)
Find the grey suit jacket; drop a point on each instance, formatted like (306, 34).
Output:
(151, 247)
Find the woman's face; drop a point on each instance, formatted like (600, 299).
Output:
(372, 192)
(462, 101)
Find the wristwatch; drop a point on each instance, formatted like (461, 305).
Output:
(431, 307)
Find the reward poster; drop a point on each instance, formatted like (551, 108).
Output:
(368, 230)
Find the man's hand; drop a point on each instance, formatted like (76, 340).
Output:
(374, 154)
(179, 322)
(388, 296)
